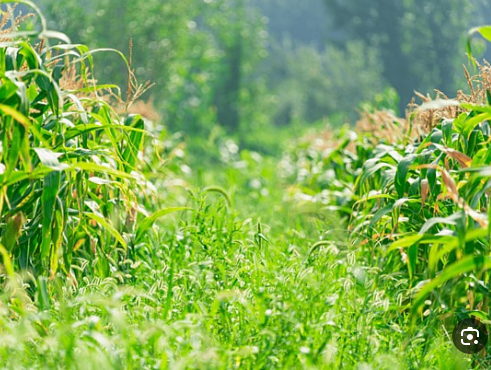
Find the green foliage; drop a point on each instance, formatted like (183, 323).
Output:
(355, 249)
(67, 162)
(274, 289)
(484, 31)
(310, 86)
(200, 54)
(419, 42)
(303, 23)
(418, 212)
(435, 200)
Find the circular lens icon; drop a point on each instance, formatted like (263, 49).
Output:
(470, 336)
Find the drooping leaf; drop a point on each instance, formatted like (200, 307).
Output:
(402, 173)
(420, 239)
(50, 158)
(472, 122)
(134, 142)
(467, 264)
(464, 160)
(106, 225)
(148, 222)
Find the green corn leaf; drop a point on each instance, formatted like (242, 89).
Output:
(372, 197)
(49, 158)
(391, 207)
(484, 31)
(402, 174)
(488, 237)
(451, 244)
(82, 129)
(467, 264)
(451, 220)
(14, 151)
(412, 259)
(110, 228)
(8, 90)
(447, 126)
(59, 225)
(381, 213)
(369, 169)
(55, 35)
(80, 107)
(23, 120)
(29, 56)
(50, 192)
(18, 176)
(134, 142)
(50, 88)
(7, 262)
(471, 123)
(479, 314)
(11, 58)
(420, 239)
(43, 298)
(148, 222)
(478, 171)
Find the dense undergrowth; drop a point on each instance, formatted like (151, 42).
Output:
(358, 248)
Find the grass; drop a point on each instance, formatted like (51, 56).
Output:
(223, 288)
(351, 250)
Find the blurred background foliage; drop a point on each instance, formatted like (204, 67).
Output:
(250, 68)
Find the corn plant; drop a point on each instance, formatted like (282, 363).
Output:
(415, 199)
(426, 206)
(68, 160)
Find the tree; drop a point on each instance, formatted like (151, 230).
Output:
(418, 40)
(198, 53)
(302, 22)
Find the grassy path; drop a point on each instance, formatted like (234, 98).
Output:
(253, 281)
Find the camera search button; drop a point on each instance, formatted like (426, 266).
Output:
(470, 336)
